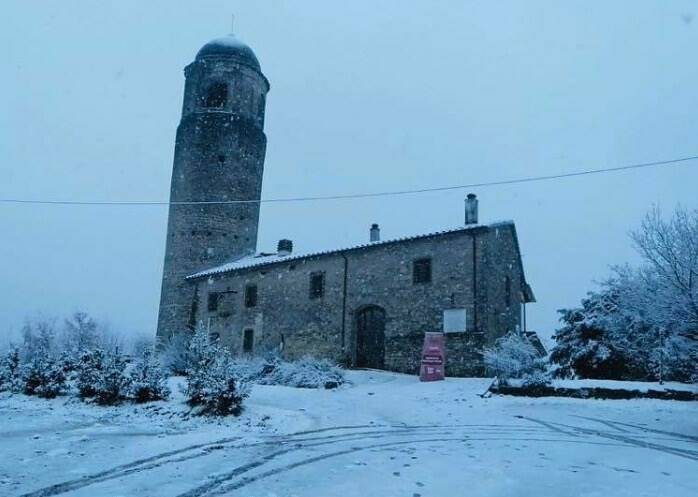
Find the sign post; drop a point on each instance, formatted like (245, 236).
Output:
(433, 357)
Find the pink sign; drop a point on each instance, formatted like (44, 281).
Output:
(433, 357)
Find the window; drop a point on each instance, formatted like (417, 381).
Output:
(317, 285)
(421, 271)
(454, 320)
(250, 295)
(213, 301)
(248, 340)
(507, 291)
(216, 96)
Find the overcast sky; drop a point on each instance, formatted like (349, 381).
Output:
(365, 96)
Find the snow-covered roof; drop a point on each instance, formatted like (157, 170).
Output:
(230, 46)
(264, 259)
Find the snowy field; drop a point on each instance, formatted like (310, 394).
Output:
(384, 435)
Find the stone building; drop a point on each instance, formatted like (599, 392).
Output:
(365, 306)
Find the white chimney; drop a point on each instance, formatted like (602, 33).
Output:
(471, 209)
(375, 233)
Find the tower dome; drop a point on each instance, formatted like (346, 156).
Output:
(230, 47)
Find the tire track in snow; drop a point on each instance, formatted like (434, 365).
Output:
(683, 436)
(142, 464)
(685, 453)
(273, 472)
(207, 448)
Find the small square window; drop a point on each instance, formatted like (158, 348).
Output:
(213, 301)
(317, 285)
(250, 295)
(421, 271)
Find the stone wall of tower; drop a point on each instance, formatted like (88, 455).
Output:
(219, 156)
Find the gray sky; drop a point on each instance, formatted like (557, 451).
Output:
(365, 96)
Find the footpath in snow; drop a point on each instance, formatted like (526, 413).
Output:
(384, 435)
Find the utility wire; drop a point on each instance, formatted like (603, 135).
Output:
(529, 179)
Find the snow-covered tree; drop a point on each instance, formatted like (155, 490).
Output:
(10, 372)
(89, 372)
(211, 386)
(512, 356)
(585, 345)
(102, 375)
(38, 337)
(41, 373)
(147, 381)
(670, 250)
(81, 333)
(113, 381)
(643, 323)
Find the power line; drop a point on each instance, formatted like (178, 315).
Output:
(529, 179)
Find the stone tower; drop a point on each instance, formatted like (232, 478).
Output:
(219, 156)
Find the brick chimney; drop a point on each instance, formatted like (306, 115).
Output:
(471, 209)
(375, 233)
(284, 248)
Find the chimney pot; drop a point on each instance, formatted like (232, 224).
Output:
(285, 247)
(471, 209)
(375, 233)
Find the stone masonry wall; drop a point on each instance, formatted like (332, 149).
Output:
(379, 275)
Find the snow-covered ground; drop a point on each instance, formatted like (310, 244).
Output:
(384, 435)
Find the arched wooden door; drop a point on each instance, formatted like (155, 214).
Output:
(370, 337)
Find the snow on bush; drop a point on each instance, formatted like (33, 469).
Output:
(43, 375)
(10, 372)
(512, 356)
(88, 372)
(101, 375)
(147, 380)
(305, 373)
(112, 381)
(174, 353)
(40, 372)
(211, 385)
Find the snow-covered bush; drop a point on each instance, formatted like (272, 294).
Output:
(102, 376)
(512, 356)
(213, 390)
(113, 381)
(308, 372)
(89, 372)
(147, 380)
(10, 372)
(43, 375)
(585, 345)
(253, 369)
(174, 353)
(211, 385)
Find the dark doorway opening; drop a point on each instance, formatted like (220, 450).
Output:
(370, 337)
(248, 341)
